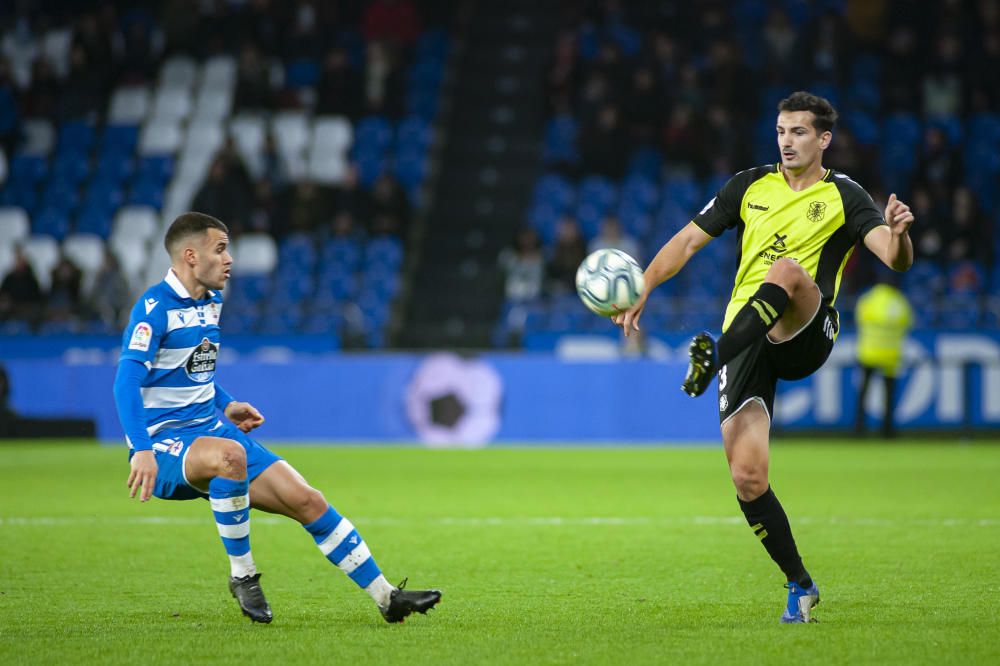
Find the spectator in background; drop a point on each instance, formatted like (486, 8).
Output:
(308, 208)
(646, 106)
(227, 192)
(523, 267)
(884, 317)
(613, 236)
(395, 21)
(928, 242)
(7, 413)
(604, 146)
(64, 293)
(390, 205)
(109, 296)
(779, 41)
(41, 99)
(942, 87)
(85, 89)
(20, 294)
(971, 233)
(341, 89)
(140, 51)
(8, 109)
(568, 253)
(253, 81)
(383, 80)
(265, 212)
(273, 168)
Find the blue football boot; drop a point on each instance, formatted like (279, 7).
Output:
(800, 603)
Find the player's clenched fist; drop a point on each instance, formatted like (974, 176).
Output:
(244, 415)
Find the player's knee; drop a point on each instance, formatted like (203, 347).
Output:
(313, 503)
(231, 460)
(750, 480)
(787, 274)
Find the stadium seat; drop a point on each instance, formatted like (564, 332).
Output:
(56, 45)
(38, 137)
(135, 222)
(42, 252)
(95, 220)
(254, 254)
(119, 140)
(14, 225)
(213, 105)
(326, 167)
(85, 250)
(179, 72)
(129, 105)
(172, 103)
(204, 136)
(373, 134)
(332, 133)
(160, 137)
(291, 131)
(219, 73)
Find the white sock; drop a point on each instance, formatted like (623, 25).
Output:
(242, 566)
(379, 590)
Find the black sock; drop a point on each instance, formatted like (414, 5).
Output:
(768, 521)
(754, 320)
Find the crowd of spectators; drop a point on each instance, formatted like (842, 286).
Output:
(697, 85)
(60, 62)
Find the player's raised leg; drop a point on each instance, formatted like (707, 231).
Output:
(784, 303)
(745, 435)
(221, 465)
(281, 489)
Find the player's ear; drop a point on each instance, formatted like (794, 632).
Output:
(824, 139)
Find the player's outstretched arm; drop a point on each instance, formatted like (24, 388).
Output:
(891, 242)
(667, 263)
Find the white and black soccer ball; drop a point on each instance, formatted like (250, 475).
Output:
(609, 281)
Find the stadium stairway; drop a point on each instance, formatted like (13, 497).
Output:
(489, 167)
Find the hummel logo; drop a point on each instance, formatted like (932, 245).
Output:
(150, 304)
(757, 206)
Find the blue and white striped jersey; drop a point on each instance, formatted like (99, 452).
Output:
(177, 338)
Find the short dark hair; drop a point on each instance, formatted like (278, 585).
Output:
(189, 224)
(824, 113)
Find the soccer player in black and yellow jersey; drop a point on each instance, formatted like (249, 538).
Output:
(796, 224)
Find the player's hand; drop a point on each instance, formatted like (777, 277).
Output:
(898, 216)
(629, 319)
(142, 475)
(244, 415)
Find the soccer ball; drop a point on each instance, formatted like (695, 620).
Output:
(609, 281)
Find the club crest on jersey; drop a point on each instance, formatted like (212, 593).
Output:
(816, 212)
(200, 366)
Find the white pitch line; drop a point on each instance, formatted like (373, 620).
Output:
(542, 521)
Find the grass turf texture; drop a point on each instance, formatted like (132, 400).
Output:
(544, 556)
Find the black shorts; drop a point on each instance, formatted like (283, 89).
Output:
(754, 373)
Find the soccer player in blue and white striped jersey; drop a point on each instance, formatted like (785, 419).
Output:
(167, 400)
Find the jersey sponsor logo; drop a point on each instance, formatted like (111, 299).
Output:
(757, 206)
(141, 336)
(779, 243)
(816, 211)
(150, 304)
(200, 366)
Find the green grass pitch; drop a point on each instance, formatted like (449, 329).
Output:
(560, 556)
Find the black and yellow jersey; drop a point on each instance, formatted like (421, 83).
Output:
(817, 227)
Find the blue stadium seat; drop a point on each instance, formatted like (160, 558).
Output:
(146, 193)
(302, 73)
(413, 132)
(372, 134)
(384, 251)
(863, 126)
(61, 195)
(901, 129)
(70, 168)
(297, 250)
(76, 135)
(422, 103)
(28, 169)
(370, 166)
(684, 192)
(51, 221)
(338, 284)
(647, 162)
(21, 194)
(560, 140)
(951, 126)
(155, 167)
(555, 190)
(94, 220)
(640, 191)
(119, 139)
(383, 281)
(343, 254)
(410, 168)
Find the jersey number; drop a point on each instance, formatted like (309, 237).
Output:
(722, 377)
